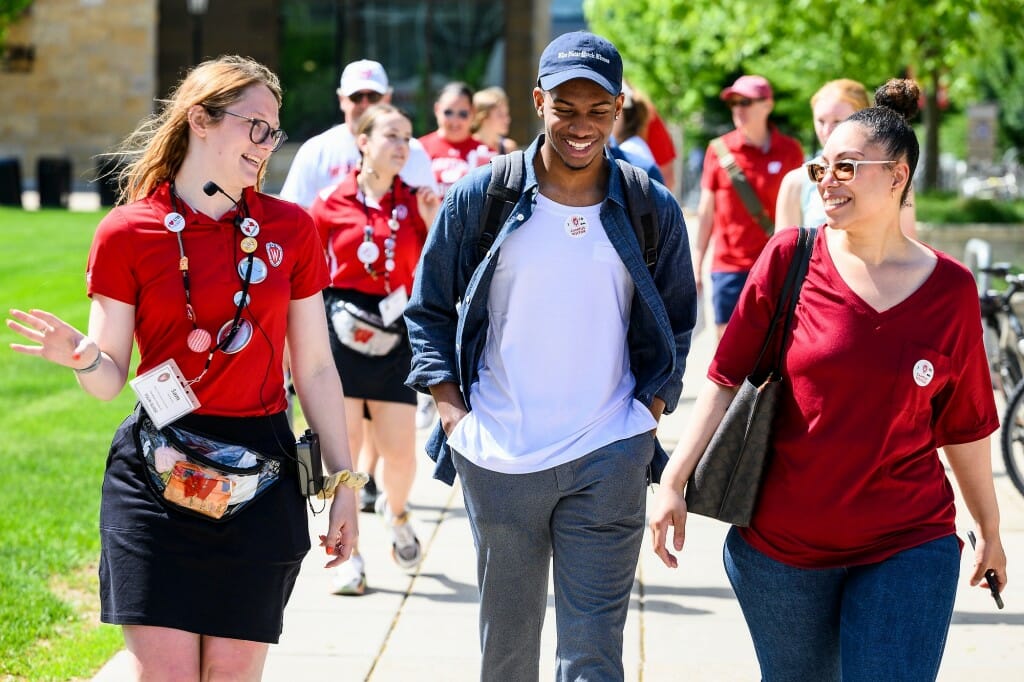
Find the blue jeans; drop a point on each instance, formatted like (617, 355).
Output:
(884, 621)
(586, 518)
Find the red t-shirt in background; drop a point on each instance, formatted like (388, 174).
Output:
(659, 140)
(134, 259)
(340, 218)
(452, 160)
(866, 399)
(738, 238)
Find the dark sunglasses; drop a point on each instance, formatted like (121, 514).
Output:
(742, 102)
(842, 171)
(369, 96)
(260, 131)
(461, 113)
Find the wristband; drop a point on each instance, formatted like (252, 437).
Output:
(92, 366)
(350, 479)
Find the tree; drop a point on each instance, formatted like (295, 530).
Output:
(684, 51)
(10, 11)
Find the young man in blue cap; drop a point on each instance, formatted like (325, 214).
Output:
(551, 373)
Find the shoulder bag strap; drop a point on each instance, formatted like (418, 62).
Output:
(788, 297)
(739, 182)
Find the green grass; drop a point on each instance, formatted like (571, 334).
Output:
(52, 455)
(947, 208)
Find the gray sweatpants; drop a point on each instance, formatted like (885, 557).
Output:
(586, 518)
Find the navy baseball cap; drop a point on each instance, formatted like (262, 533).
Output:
(580, 54)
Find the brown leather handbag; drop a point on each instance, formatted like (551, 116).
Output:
(728, 476)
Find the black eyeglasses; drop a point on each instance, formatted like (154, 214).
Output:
(461, 113)
(369, 96)
(260, 131)
(742, 102)
(842, 171)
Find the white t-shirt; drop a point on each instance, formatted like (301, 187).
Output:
(324, 159)
(554, 381)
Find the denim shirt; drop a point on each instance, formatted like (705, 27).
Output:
(447, 312)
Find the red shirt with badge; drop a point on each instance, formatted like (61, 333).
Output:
(452, 160)
(341, 218)
(866, 399)
(737, 237)
(134, 259)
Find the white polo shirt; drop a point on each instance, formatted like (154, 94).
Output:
(324, 159)
(554, 381)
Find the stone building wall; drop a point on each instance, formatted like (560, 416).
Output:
(93, 79)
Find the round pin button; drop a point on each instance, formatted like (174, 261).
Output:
(238, 297)
(199, 340)
(174, 221)
(249, 227)
(249, 245)
(368, 252)
(259, 269)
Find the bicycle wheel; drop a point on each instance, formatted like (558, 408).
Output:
(1010, 374)
(1013, 437)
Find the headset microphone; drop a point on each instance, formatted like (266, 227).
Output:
(211, 188)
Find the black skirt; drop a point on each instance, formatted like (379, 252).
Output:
(368, 377)
(165, 567)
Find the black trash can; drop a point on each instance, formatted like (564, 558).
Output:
(10, 182)
(53, 179)
(107, 170)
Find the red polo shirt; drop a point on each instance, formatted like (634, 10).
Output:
(134, 259)
(340, 219)
(738, 238)
(866, 399)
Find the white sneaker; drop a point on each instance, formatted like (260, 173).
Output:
(405, 546)
(350, 577)
(426, 412)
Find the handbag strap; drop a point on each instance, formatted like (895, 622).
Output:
(788, 298)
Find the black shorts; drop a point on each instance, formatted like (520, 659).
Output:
(164, 567)
(364, 376)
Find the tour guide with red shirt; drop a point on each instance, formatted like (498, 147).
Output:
(372, 230)
(765, 155)
(201, 546)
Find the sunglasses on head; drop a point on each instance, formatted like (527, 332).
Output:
(369, 96)
(842, 171)
(742, 102)
(461, 113)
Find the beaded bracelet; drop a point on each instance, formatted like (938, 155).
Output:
(92, 366)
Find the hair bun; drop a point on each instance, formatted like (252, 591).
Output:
(901, 95)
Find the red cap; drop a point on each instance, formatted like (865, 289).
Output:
(751, 87)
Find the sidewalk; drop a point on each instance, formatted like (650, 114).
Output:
(683, 624)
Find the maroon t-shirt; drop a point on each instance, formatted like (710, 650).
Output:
(134, 259)
(866, 399)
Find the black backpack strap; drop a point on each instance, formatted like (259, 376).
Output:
(642, 211)
(508, 172)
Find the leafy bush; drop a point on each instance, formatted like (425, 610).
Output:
(948, 208)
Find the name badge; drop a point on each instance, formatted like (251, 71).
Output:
(164, 394)
(392, 307)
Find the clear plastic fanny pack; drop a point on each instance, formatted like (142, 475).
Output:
(363, 331)
(201, 474)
